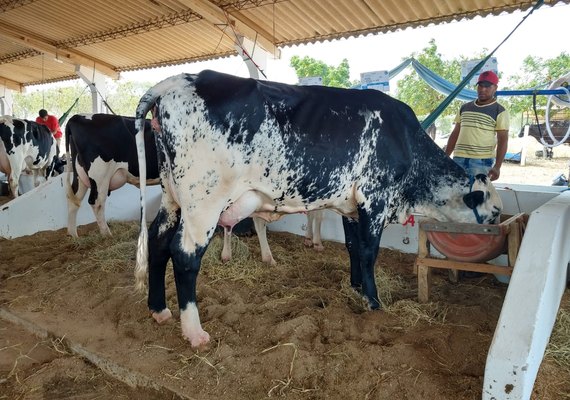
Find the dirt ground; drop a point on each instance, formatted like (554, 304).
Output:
(294, 330)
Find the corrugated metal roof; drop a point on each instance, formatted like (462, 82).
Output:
(43, 41)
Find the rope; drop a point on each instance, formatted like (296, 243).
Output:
(433, 116)
(242, 48)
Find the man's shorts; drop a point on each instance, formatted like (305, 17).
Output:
(475, 166)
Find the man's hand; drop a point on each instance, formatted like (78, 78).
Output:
(494, 173)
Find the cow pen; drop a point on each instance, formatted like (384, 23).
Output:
(290, 330)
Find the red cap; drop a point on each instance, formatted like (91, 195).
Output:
(488, 76)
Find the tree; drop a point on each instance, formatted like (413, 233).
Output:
(124, 97)
(57, 100)
(332, 76)
(414, 91)
(536, 73)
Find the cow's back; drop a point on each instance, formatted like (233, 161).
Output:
(110, 137)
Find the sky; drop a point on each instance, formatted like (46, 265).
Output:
(543, 34)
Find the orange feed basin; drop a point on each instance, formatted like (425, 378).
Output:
(467, 242)
(468, 247)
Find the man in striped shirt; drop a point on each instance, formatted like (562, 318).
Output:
(480, 137)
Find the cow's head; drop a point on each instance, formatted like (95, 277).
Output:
(484, 200)
(468, 200)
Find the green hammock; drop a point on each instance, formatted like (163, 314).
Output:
(66, 114)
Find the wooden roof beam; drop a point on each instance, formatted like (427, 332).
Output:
(10, 84)
(72, 57)
(241, 24)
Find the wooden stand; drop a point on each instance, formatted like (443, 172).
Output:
(513, 227)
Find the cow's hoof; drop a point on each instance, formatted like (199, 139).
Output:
(269, 260)
(163, 316)
(198, 339)
(318, 247)
(308, 242)
(373, 304)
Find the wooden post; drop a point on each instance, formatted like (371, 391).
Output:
(424, 283)
(514, 242)
(423, 246)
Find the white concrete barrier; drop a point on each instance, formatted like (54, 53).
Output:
(45, 208)
(531, 304)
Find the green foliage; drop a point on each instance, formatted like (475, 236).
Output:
(56, 100)
(332, 76)
(535, 73)
(122, 98)
(415, 92)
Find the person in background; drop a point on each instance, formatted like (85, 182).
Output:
(53, 125)
(480, 137)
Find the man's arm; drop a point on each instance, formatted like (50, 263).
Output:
(502, 144)
(452, 140)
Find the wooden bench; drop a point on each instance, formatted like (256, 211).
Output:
(506, 236)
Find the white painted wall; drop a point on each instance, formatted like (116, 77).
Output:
(531, 304)
(45, 208)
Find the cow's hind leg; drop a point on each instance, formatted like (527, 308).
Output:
(313, 233)
(261, 230)
(188, 247)
(161, 233)
(73, 204)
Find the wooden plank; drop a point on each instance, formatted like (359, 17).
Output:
(460, 227)
(514, 242)
(512, 219)
(463, 266)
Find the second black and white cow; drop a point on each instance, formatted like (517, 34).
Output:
(103, 158)
(232, 147)
(24, 145)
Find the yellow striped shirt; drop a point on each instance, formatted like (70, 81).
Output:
(477, 137)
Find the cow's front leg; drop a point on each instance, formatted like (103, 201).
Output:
(161, 233)
(362, 243)
(351, 242)
(186, 268)
(369, 234)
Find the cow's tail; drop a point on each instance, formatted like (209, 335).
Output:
(141, 269)
(69, 167)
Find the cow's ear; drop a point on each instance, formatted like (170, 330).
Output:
(473, 199)
(481, 177)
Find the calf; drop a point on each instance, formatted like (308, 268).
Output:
(232, 147)
(25, 145)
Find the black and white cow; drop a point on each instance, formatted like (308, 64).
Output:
(25, 145)
(103, 158)
(233, 147)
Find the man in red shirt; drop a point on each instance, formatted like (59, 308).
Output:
(53, 125)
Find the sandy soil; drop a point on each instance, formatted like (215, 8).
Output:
(294, 330)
